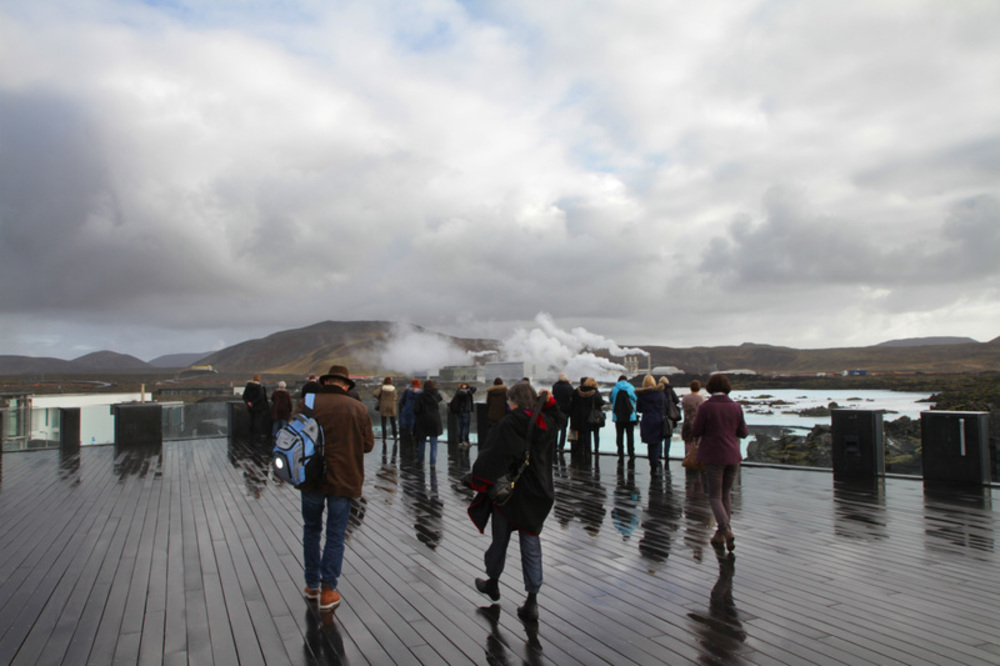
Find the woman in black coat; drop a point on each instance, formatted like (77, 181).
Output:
(585, 400)
(533, 493)
(428, 421)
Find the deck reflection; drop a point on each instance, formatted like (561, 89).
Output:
(190, 552)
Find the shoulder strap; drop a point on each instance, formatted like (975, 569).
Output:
(535, 415)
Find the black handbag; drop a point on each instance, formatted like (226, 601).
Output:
(502, 489)
(596, 417)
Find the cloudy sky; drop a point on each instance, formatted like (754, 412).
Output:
(179, 176)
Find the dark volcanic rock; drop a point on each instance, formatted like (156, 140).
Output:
(902, 446)
(813, 450)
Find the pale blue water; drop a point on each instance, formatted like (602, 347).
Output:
(759, 413)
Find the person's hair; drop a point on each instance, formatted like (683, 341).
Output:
(648, 381)
(665, 380)
(695, 386)
(497, 381)
(256, 378)
(429, 384)
(718, 384)
(415, 383)
(282, 385)
(387, 380)
(622, 378)
(589, 382)
(563, 377)
(522, 395)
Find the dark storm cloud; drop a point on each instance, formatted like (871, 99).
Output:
(202, 173)
(792, 246)
(973, 163)
(66, 240)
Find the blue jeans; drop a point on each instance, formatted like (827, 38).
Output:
(422, 446)
(277, 425)
(325, 569)
(463, 420)
(531, 553)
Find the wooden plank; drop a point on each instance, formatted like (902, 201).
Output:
(196, 558)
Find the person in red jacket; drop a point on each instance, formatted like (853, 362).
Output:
(281, 408)
(720, 425)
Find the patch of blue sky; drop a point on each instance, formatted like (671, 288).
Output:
(426, 36)
(638, 172)
(223, 14)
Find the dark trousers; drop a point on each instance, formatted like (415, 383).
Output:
(720, 492)
(531, 553)
(392, 419)
(625, 430)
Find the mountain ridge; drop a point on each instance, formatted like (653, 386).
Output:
(358, 344)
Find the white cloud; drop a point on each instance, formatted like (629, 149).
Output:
(188, 168)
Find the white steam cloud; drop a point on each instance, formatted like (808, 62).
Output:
(567, 351)
(410, 351)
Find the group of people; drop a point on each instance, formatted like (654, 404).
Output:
(266, 415)
(526, 430)
(419, 413)
(534, 431)
(654, 407)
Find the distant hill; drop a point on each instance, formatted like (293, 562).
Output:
(102, 361)
(177, 360)
(109, 361)
(767, 359)
(358, 344)
(923, 342)
(306, 350)
(30, 365)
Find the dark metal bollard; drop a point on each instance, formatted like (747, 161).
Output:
(858, 443)
(138, 424)
(955, 447)
(482, 423)
(452, 429)
(239, 420)
(69, 429)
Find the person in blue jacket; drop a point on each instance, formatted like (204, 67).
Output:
(624, 415)
(407, 419)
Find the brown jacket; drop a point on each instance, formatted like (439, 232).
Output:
(347, 435)
(281, 405)
(386, 395)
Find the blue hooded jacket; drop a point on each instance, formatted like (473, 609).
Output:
(624, 385)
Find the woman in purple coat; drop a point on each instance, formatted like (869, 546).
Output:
(720, 425)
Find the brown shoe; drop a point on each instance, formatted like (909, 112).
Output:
(311, 593)
(329, 599)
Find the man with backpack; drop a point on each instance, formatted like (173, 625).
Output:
(348, 436)
(623, 400)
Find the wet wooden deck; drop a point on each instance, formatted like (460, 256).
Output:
(191, 554)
